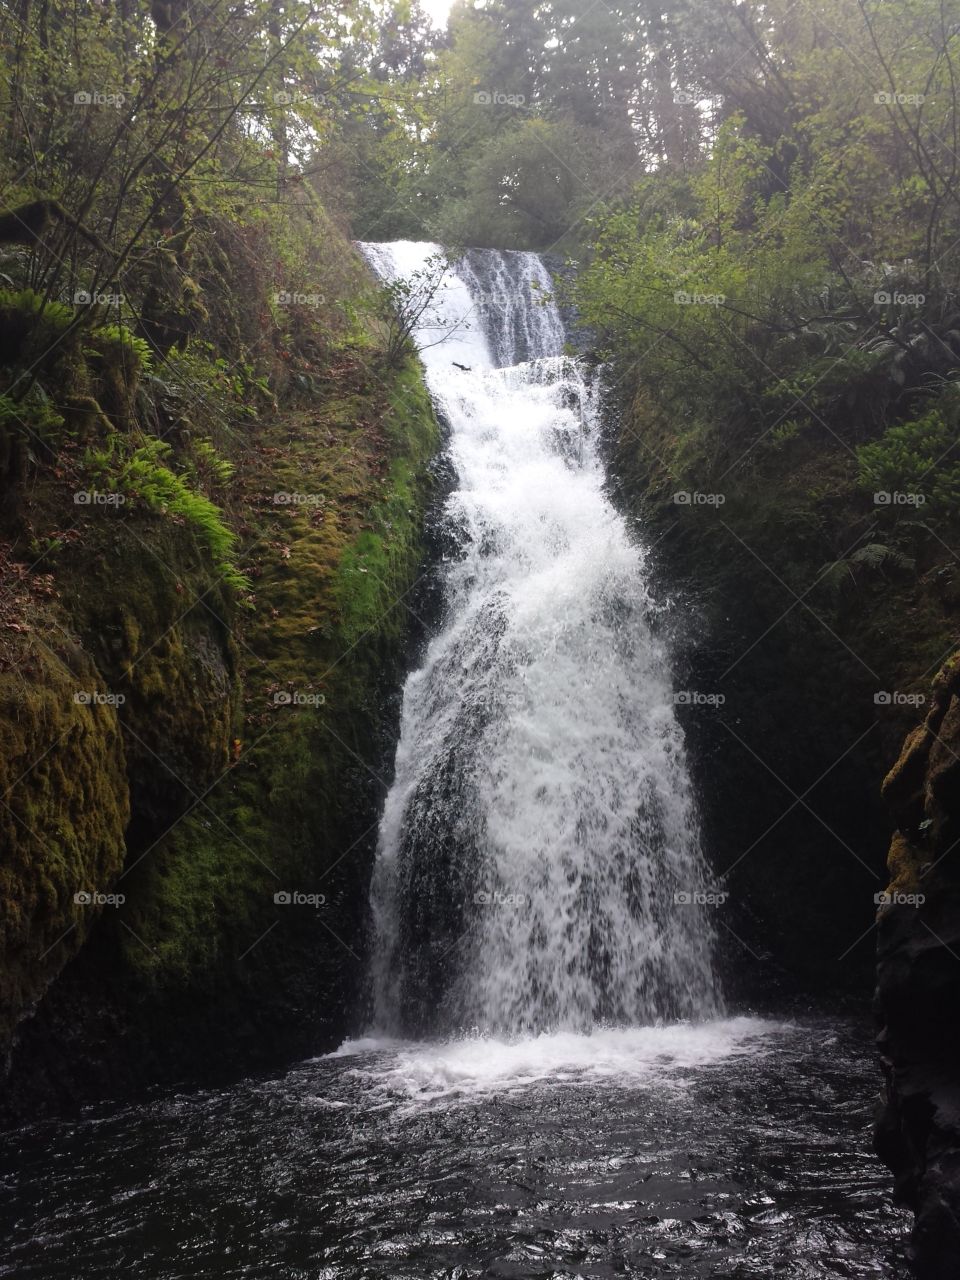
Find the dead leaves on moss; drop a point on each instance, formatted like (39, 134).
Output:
(23, 592)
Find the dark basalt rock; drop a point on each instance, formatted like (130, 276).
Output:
(918, 983)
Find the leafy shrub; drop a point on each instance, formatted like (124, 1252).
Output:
(917, 457)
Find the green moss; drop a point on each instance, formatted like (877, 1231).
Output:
(326, 615)
(232, 795)
(373, 569)
(62, 773)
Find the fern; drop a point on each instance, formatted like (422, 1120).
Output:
(873, 557)
(28, 302)
(33, 415)
(117, 334)
(144, 474)
(877, 557)
(209, 462)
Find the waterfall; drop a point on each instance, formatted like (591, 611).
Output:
(539, 842)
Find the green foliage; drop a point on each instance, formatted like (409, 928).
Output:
(531, 185)
(874, 558)
(34, 415)
(918, 458)
(125, 345)
(800, 271)
(28, 302)
(209, 465)
(142, 473)
(524, 121)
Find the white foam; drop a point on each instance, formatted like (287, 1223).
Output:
(481, 1066)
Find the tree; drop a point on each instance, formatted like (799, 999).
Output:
(533, 186)
(408, 309)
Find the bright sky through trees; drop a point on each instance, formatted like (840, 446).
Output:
(437, 10)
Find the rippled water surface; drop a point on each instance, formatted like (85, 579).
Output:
(734, 1149)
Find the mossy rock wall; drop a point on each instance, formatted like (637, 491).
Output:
(62, 821)
(918, 980)
(242, 758)
(819, 685)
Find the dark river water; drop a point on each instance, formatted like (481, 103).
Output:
(735, 1149)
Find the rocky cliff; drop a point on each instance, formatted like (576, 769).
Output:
(798, 675)
(208, 558)
(918, 990)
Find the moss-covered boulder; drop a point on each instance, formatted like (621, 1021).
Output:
(64, 808)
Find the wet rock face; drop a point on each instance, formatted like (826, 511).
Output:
(918, 990)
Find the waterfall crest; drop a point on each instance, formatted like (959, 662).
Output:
(540, 833)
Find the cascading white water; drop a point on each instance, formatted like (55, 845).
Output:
(540, 835)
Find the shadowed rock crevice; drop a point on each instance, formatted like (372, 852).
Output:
(918, 976)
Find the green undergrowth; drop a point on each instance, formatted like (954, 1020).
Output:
(861, 533)
(331, 503)
(140, 472)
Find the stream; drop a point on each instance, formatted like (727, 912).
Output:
(737, 1148)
